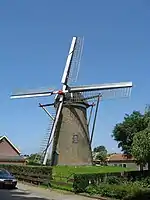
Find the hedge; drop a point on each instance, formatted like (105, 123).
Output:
(137, 175)
(81, 181)
(38, 174)
(116, 191)
(139, 195)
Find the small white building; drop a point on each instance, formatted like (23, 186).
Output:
(118, 159)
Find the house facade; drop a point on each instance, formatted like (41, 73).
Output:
(10, 154)
(121, 160)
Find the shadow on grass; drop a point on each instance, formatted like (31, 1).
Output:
(15, 194)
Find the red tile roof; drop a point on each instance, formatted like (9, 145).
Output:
(119, 157)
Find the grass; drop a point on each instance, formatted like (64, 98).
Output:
(66, 171)
(63, 175)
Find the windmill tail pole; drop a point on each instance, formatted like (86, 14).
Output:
(48, 113)
(90, 114)
(94, 122)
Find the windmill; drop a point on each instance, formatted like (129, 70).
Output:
(69, 139)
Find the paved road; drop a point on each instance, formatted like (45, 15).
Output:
(27, 192)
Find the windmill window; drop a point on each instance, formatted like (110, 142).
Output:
(75, 138)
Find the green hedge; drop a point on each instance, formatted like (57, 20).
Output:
(81, 181)
(26, 172)
(136, 175)
(139, 195)
(115, 191)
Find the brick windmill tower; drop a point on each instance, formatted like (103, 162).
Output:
(69, 140)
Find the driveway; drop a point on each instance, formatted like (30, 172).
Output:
(28, 192)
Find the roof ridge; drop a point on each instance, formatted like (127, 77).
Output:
(4, 136)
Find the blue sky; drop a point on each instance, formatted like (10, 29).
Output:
(34, 40)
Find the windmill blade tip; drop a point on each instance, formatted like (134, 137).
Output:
(131, 84)
(11, 97)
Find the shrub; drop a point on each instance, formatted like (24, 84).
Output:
(81, 181)
(114, 180)
(26, 170)
(113, 191)
(137, 175)
(145, 182)
(139, 195)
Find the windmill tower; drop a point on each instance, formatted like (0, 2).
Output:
(69, 138)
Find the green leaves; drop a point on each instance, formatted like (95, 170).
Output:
(100, 153)
(124, 132)
(100, 148)
(24, 170)
(133, 136)
(141, 147)
(101, 156)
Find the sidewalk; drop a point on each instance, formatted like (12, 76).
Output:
(50, 193)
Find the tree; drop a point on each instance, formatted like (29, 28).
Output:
(100, 148)
(124, 132)
(33, 158)
(100, 153)
(141, 147)
(101, 156)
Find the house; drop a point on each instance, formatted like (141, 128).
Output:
(118, 159)
(9, 154)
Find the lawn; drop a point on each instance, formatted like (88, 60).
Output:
(63, 175)
(68, 171)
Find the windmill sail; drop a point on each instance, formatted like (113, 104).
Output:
(32, 93)
(66, 72)
(108, 86)
(107, 91)
(73, 61)
(53, 133)
(76, 59)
